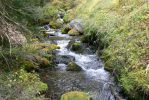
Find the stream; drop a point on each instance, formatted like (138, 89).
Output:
(94, 80)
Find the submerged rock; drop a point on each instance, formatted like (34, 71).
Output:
(65, 59)
(72, 66)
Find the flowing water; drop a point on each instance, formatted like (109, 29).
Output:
(94, 80)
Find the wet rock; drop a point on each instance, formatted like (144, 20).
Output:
(64, 59)
(75, 46)
(76, 23)
(79, 47)
(72, 66)
(47, 27)
(61, 67)
(50, 33)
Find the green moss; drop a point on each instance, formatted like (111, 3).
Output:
(75, 95)
(76, 47)
(55, 25)
(73, 32)
(72, 66)
(67, 18)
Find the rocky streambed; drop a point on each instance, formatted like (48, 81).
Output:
(91, 76)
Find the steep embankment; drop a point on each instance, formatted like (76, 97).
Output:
(119, 29)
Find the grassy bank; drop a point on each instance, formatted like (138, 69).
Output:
(119, 29)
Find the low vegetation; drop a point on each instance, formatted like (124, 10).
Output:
(21, 85)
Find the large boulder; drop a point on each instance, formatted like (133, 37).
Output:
(72, 66)
(77, 24)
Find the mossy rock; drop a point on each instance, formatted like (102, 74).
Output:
(76, 47)
(72, 66)
(73, 32)
(43, 62)
(55, 25)
(75, 95)
(46, 47)
(65, 29)
(51, 47)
